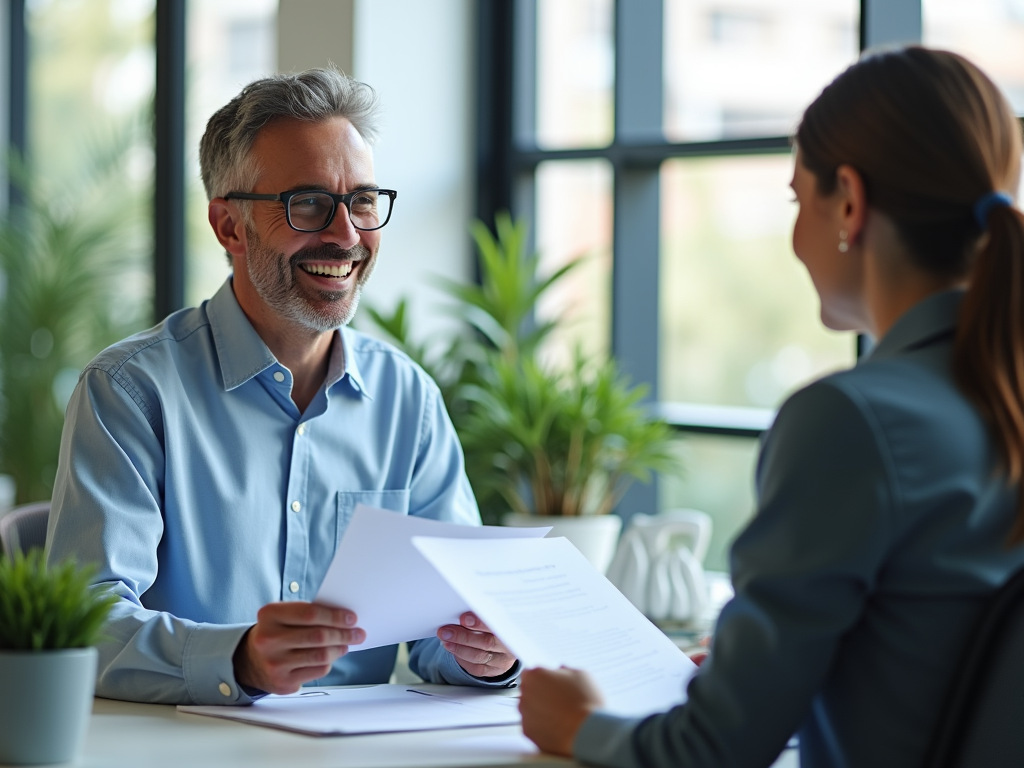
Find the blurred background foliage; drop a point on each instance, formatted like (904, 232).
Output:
(70, 284)
(75, 252)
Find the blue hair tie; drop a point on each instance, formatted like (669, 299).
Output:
(986, 203)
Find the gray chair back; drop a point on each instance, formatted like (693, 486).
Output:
(983, 720)
(24, 527)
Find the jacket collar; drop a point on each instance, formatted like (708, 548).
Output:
(927, 321)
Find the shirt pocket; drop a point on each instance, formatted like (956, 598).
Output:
(393, 501)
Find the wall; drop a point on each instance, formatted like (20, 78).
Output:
(419, 57)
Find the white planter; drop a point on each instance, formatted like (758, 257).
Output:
(45, 704)
(596, 536)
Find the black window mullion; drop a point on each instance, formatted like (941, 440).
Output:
(17, 89)
(169, 181)
(494, 106)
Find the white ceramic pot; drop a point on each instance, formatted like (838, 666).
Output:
(595, 536)
(45, 704)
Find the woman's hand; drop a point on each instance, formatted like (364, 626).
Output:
(554, 703)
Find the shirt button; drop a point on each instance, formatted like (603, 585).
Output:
(301, 430)
(296, 506)
(224, 688)
(278, 377)
(294, 586)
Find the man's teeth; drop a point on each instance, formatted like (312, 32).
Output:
(333, 270)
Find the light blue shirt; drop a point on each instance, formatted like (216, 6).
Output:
(190, 478)
(880, 532)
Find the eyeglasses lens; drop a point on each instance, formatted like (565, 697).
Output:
(310, 212)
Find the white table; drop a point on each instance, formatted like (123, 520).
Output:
(126, 735)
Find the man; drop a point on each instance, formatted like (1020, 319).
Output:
(209, 466)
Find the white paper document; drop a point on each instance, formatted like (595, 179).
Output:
(552, 608)
(377, 709)
(395, 592)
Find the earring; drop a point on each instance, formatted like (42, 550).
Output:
(843, 245)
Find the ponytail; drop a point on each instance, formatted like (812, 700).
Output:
(988, 357)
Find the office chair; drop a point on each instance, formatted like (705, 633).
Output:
(982, 723)
(24, 527)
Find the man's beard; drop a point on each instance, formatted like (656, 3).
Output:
(273, 277)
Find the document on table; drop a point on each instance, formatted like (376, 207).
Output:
(395, 592)
(376, 709)
(552, 608)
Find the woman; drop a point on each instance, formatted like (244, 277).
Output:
(889, 504)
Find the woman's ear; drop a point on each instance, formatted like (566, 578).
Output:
(228, 226)
(851, 199)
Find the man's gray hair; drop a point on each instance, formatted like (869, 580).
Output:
(225, 158)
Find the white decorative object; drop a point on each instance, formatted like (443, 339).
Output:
(595, 536)
(7, 494)
(658, 566)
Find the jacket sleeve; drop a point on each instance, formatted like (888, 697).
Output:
(802, 571)
(106, 511)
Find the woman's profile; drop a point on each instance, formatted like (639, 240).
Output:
(889, 495)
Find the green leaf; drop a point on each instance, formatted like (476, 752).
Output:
(49, 607)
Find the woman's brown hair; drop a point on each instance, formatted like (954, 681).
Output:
(931, 135)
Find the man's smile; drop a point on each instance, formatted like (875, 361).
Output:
(328, 269)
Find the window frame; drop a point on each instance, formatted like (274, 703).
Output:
(508, 157)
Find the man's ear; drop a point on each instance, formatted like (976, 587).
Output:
(853, 201)
(228, 226)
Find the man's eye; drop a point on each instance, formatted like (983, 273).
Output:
(365, 202)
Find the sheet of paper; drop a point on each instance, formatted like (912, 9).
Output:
(377, 709)
(552, 608)
(395, 592)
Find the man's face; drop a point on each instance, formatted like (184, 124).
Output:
(311, 279)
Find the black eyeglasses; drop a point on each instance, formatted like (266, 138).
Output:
(311, 210)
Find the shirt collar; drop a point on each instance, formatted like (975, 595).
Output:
(243, 354)
(240, 350)
(347, 339)
(929, 319)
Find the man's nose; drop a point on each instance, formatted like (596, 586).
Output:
(341, 231)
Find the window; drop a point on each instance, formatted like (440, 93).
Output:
(988, 32)
(229, 44)
(651, 137)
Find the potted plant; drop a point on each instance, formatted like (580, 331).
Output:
(543, 446)
(49, 620)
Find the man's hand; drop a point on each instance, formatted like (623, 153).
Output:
(478, 651)
(293, 643)
(554, 703)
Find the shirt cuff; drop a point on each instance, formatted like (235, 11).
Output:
(454, 674)
(208, 665)
(606, 740)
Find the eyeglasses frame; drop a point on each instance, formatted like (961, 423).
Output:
(285, 197)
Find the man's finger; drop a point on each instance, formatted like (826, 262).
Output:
(484, 640)
(471, 655)
(472, 621)
(319, 637)
(315, 614)
(299, 658)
